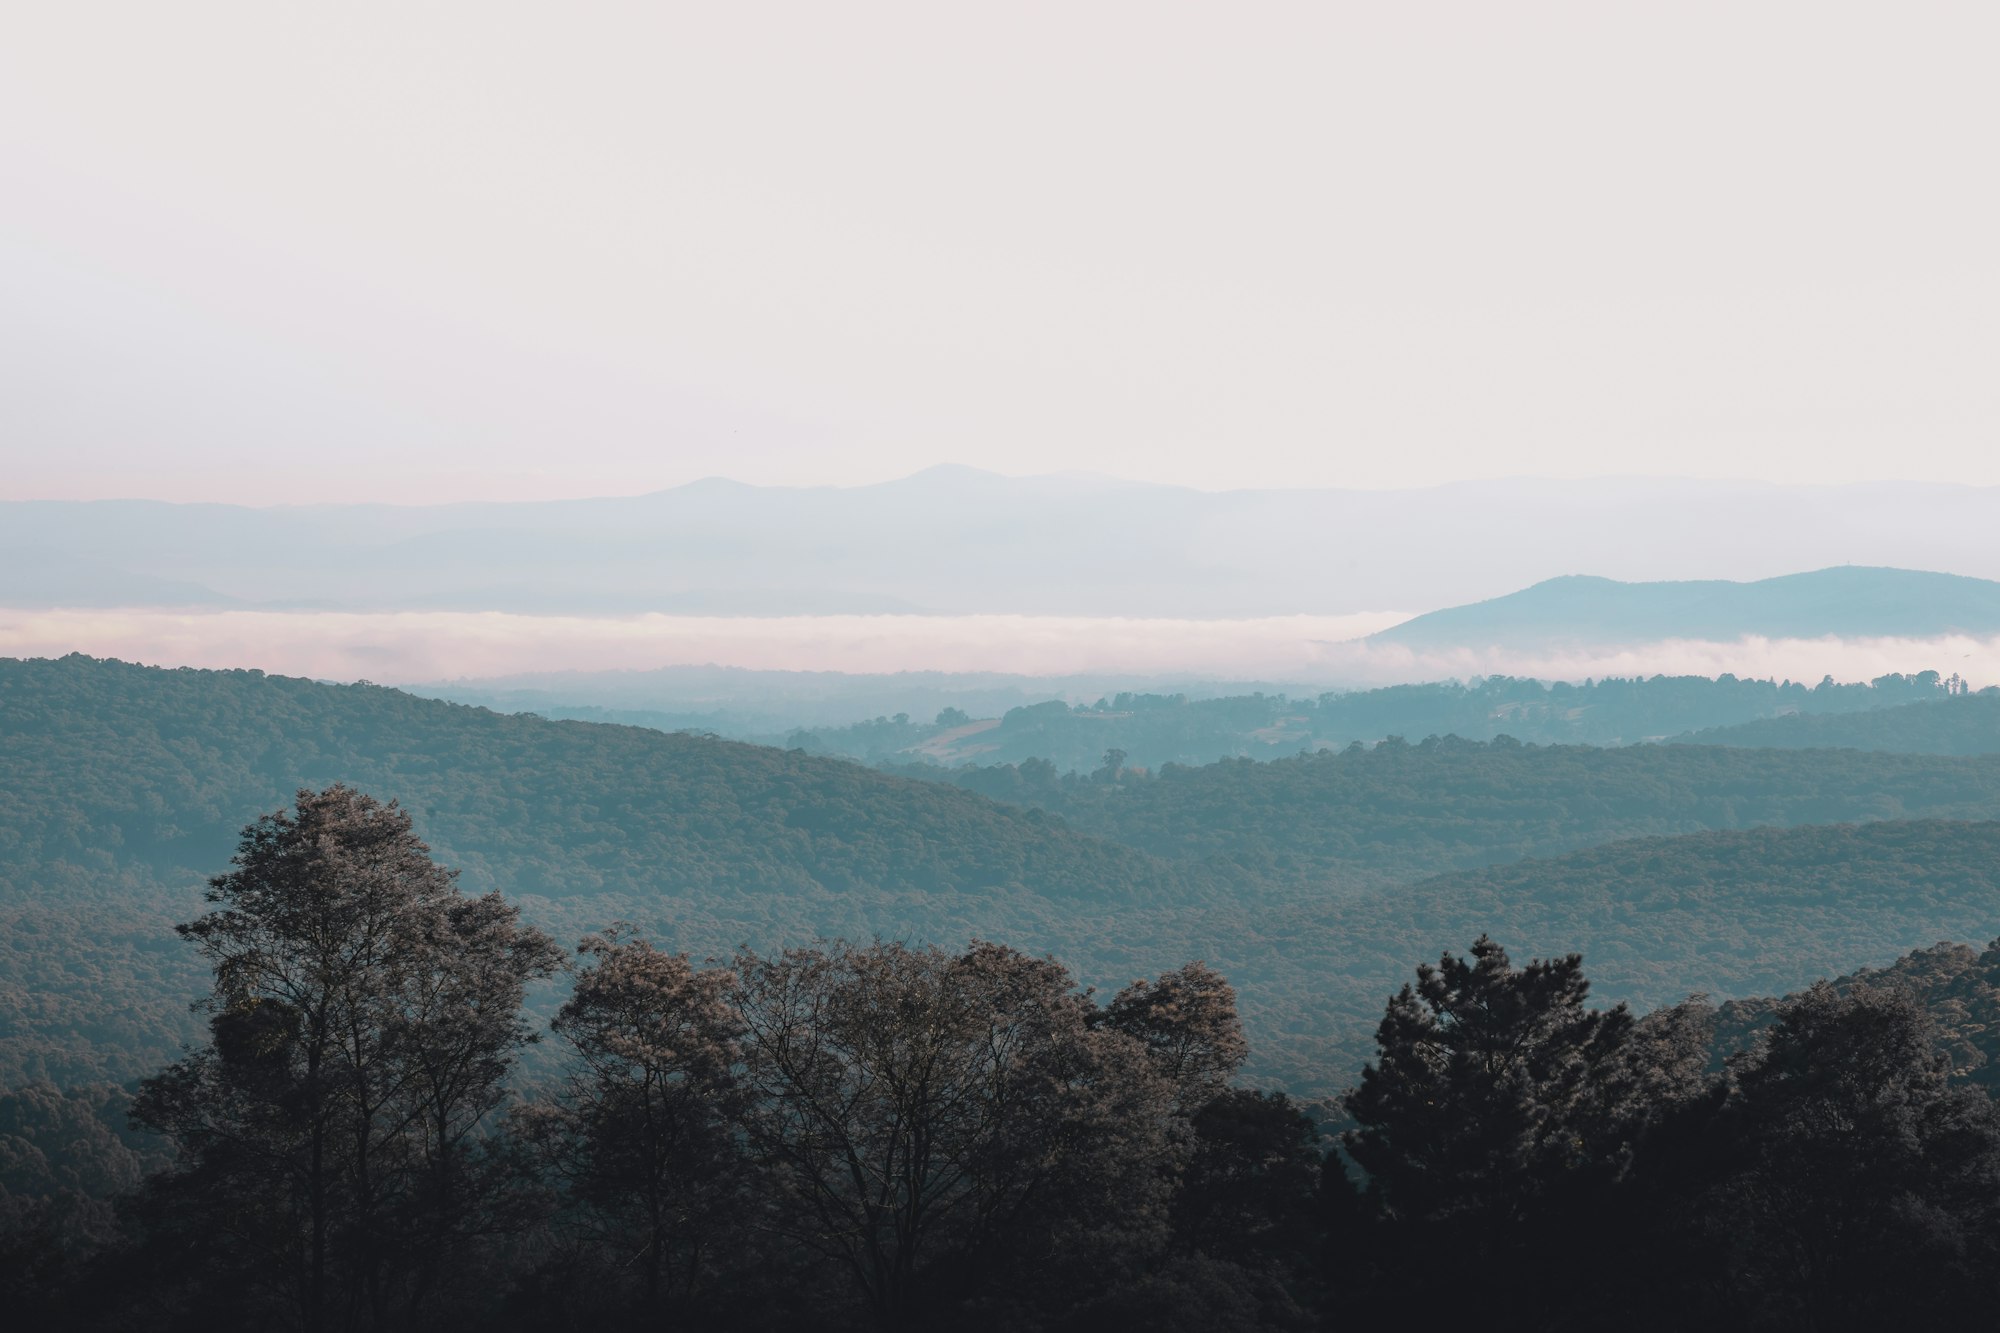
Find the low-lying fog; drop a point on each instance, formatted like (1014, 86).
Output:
(1322, 651)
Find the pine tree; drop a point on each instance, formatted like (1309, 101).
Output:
(1483, 1086)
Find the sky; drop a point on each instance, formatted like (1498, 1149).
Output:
(278, 253)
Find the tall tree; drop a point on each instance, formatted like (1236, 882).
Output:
(364, 1017)
(1498, 1126)
(645, 1134)
(1484, 1076)
(931, 1122)
(1187, 1022)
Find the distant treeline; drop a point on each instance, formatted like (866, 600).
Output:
(1154, 729)
(888, 1136)
(1187, 727)
(1959, 725)
(1399, 811)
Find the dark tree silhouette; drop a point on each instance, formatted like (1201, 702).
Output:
(933, 1122)
(643, 1138)
(365, 1016)
(1860, 1186)
(1483, 1084)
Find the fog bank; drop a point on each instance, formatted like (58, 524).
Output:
(1324, 651)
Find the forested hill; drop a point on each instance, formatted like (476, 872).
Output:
(122, 788)
(1848, 601)
(1401, 812)
(960, 719)
(1957, 984)
(1968, 725)
(105, 765)
(1745, 912)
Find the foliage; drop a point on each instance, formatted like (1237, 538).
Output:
(121, 785)
(1400, 812)
(930, 1120)
(118, 784)
(1177, 728)
(641, 1137)
(365, 1017)
(1961, 725)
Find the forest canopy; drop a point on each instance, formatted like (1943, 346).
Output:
(120, 786)
(889, 1136)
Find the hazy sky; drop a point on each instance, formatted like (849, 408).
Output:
(273, 251)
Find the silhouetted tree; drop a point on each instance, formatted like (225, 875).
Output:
(1483, 1083)
(932, 1123)
(1498, 1119)
(1860, 1188)
(644, 1135)
(365, 1016)
(1249, 1191)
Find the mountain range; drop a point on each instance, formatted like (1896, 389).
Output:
(954, 540)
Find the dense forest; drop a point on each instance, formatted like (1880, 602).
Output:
(1740, 913)
(1182, 727)
(121, 786)
(1961, 725)
(1401, 811)
(894, 1136)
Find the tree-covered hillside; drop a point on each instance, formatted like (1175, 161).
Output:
(1957, 984)
(104, 765)
(1847, 600)
(1743, 912)
(1401, 812)
(1968, 725)
(122, 788)
(935, 718)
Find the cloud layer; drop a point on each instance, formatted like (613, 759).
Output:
(1322, 650)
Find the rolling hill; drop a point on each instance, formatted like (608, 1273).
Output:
(1965, 726)
(1401, 812)
(121, 787)
(1740, 913)
(1847, 602)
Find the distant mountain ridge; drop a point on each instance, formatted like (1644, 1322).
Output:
(957, 541)
(1589, 611)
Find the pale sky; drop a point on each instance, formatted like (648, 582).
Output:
(277, 252)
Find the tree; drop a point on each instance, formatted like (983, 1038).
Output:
(1858, 1186)
(1502, 1124)
(645, 1135)
(1252, 1181)
(364, 1018)
(1483, 1082)
(932, 1122)
(1187, 1022)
